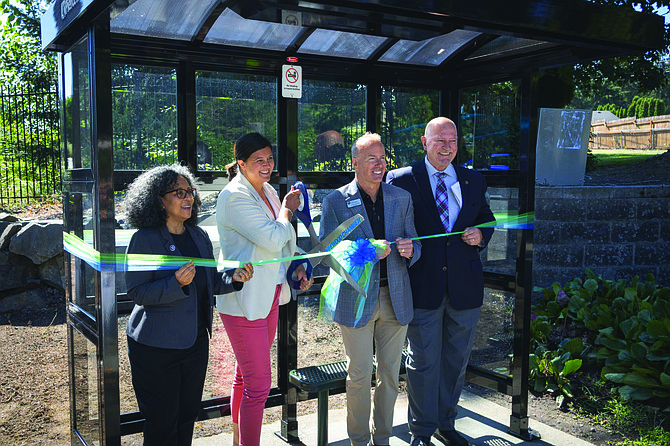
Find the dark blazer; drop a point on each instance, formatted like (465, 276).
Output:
(446, 263)
(164, 315)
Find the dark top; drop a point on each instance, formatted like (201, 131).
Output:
(187, 247)
(375, 213)
(164, 315)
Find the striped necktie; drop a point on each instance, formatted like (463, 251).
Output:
(442, 199)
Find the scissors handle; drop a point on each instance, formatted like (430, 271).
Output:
(295, 284)
(303, 211)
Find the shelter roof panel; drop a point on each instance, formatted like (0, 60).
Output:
(431, 51)
(506, 44)
(232, 29)
(157, 19)
(341, 44)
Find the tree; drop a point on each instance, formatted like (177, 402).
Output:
(22, 61)
(644, 72)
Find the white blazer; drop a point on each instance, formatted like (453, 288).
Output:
(249, 232)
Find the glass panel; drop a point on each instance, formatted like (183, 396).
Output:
(126, 392)
(173, 19)
(84, 378)
(494, 336)
(405, 113)
(310, 328)
(341, 44)
(505, 44)
(77, 108)
(144, 116)
(489, 126)
(431, 51)
(331, 116)
(79, 211)
(500, 254)
(232, 29)
(228, 106)
(316, 197)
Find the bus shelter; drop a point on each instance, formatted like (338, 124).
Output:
(149, 82)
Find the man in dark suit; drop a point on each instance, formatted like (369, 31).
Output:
(447, 281)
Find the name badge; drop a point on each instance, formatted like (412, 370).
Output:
(352, 203)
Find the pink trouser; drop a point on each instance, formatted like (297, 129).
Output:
(251, 342)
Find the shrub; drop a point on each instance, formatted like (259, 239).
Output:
(625, 328)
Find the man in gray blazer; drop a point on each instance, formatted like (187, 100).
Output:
(388, 307)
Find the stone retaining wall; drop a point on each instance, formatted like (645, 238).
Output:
(617, 231)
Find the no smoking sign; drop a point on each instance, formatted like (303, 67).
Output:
(291, 82)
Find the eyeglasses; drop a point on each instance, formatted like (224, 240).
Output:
(181, 193)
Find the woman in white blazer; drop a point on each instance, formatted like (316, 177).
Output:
(253, 225)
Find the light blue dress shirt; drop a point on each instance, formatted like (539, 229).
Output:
(449, 181)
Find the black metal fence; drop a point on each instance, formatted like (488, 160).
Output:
(30, 152)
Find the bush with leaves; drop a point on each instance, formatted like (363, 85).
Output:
(624, 327)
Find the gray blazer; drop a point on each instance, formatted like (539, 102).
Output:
(164, 315)
(345, 202)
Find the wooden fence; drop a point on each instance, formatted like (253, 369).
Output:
(631, 133)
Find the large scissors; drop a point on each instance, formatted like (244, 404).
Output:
(328, 243)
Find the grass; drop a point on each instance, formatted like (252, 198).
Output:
(622, 157)
(637, 423)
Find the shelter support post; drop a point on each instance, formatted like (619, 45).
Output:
(287, 341)
(524, 261)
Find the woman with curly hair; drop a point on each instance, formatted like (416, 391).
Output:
(168, 343)
(254, 225)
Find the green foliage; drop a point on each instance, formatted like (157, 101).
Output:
(640, 107)
(145, 116)
(489, 125)
(29, 145)
(644, 107)
(406, 112)
(557, 87)
(332, 117)
(22, 61)
(625, 325)
(550, 370)
(633, 420)
(644, 72)
(620, 112)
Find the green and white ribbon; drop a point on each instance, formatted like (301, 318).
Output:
(151, 262)
(148, 262)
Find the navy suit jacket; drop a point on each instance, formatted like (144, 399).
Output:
(164, 315)
(446, 263)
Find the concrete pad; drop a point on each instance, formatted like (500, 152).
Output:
(482, 422)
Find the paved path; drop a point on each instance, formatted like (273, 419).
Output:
(483, 422)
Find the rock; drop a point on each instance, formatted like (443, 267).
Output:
(52, 273)
(16, 272)
(27, 299)
(4, 216)
(7, 235)
(38, 242)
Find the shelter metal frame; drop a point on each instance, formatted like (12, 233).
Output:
(552, 33)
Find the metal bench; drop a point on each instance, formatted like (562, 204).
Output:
(321, 379)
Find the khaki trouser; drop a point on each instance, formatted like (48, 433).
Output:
(389, 338)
